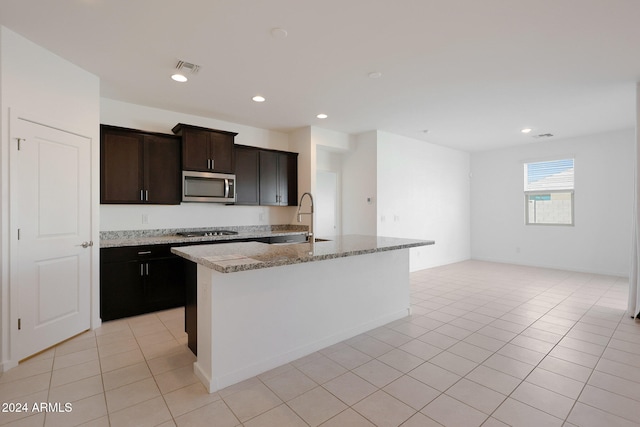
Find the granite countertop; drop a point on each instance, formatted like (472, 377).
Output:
(234, 257)
(116, 239)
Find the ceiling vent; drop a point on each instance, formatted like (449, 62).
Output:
(542, 135)
(187, 67)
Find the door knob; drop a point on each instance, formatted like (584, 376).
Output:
(86, 244)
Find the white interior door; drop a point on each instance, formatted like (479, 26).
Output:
(326, 204)
(51, 208)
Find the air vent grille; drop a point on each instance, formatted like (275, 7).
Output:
(543, 135)
(187, 66)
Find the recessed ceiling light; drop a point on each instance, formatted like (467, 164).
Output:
(425, 131)
(179, 78)
(375, 75)
(259, 98)
(322, 116)
(526, 130)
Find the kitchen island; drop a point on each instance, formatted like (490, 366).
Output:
(260, 306)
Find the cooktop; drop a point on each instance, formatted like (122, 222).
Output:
(202, 233)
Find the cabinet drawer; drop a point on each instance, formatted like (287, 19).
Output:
(293, 238)
(132, 253)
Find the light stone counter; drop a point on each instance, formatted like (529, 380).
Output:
(234, 257)
(116, 239)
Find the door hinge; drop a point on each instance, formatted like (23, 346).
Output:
(19, 323)
(18, 234)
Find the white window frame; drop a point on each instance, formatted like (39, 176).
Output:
(527, 194)
(544, 192)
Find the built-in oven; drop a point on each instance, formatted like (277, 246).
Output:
(208, 187)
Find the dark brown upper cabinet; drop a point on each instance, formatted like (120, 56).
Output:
(266, 177)
(139, 167)
(247, 175)
(206, 150)
(278, 178)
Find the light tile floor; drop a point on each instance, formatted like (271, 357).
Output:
(487, 344)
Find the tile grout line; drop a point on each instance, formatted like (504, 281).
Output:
(547, 354)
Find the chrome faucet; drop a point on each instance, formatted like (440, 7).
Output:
(311, 235)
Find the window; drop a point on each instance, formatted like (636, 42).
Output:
(548, 192)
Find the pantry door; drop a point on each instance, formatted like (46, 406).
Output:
(50, 197)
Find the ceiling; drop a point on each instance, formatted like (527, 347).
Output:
(473, 73)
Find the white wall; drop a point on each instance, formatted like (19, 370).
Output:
(41, 85)
(600, 240)
(130, 217)
(359, 183)
(423, 193)
(328, 160)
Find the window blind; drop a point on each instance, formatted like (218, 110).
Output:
(550, 175)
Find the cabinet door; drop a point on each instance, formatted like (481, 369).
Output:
(288, 179)
(121, 290)
(162, 174)
(278, 178)
(195, 150)
(247, 176)
(121, 167)
(164, 283)
(221, 151)
(269, 191)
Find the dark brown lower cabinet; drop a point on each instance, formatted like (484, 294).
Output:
(140, 279)
(191, 305)
(121, 290)
(136, 280)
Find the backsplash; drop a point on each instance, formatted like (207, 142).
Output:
(191, 215)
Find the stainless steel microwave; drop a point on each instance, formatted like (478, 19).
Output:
(208, 187)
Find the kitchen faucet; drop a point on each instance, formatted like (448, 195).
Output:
(311, 235)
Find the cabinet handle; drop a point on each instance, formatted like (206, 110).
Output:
(147, 268)
(208, 163)
(144, 252)
(142, 195)
(213, 164)
(146, 195)
(141, 269)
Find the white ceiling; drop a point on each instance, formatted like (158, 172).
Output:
(472, 72)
